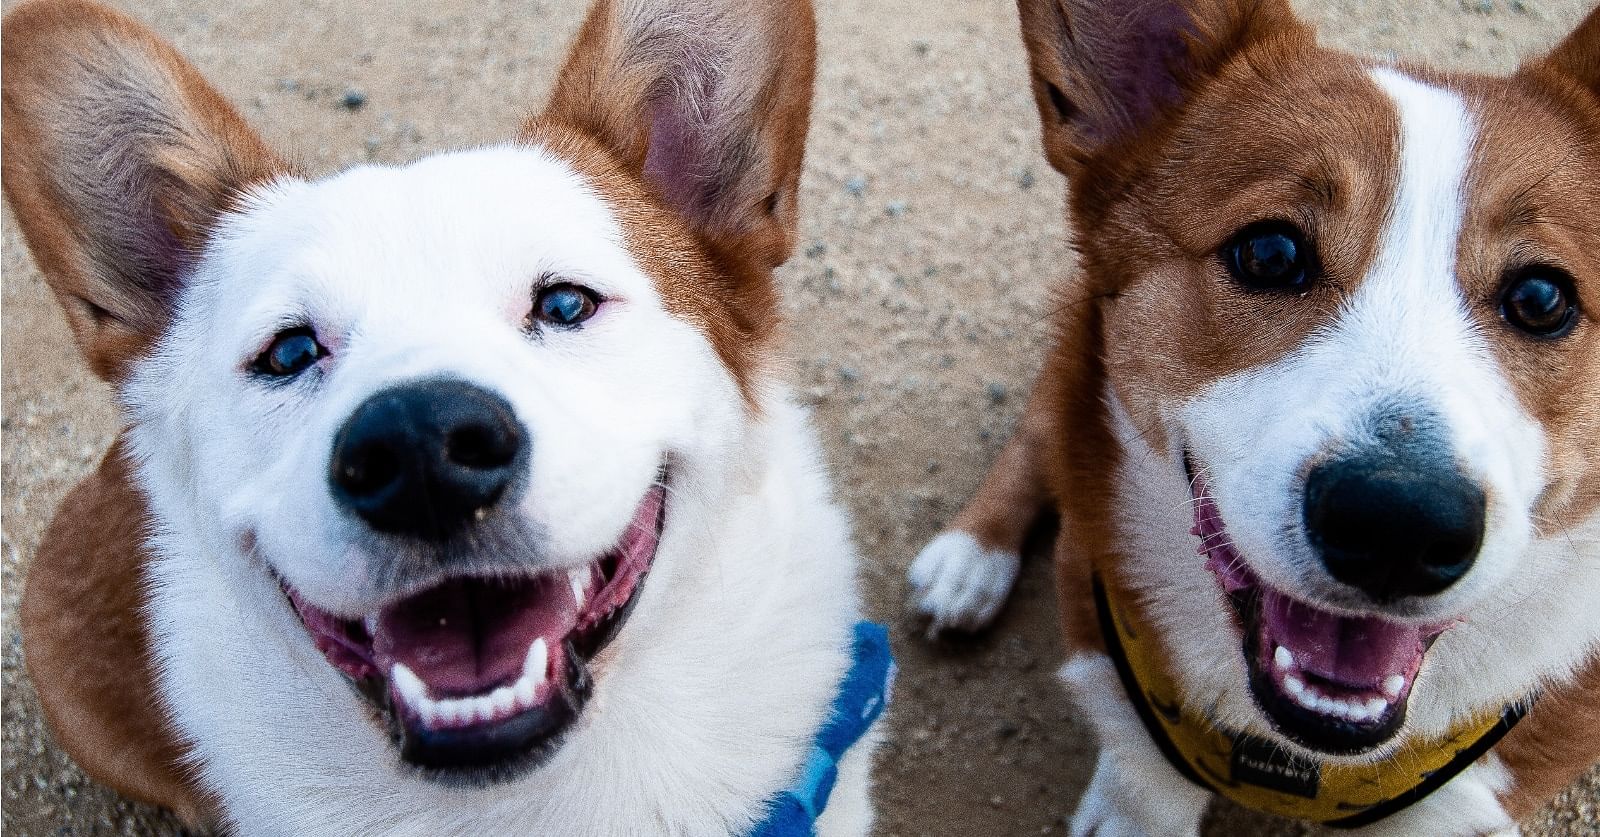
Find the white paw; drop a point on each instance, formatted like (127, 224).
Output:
(1115, 806)
(958, 585)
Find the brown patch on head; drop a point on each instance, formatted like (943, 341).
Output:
(1287, 133)
(690, 119)
(118, 157)
(1533, 193)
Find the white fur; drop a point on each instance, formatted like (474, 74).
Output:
(1466, 806)
(1134, 791)
(707, 701)
(1526, 609)
(958, 584)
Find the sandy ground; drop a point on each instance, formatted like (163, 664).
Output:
(932, 229)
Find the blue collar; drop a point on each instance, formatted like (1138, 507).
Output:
(862, 696)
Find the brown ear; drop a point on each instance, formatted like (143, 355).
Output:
(117, 158)
(1578, 57)
(1103, 71)
(708, 101)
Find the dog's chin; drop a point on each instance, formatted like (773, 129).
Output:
(478, 678)
(1330, 682)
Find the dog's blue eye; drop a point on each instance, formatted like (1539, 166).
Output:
(564, 305)
(1270, 256)
(290, 353)
(1540, 300)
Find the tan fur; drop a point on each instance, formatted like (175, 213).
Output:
(1151, 314)
(746, 215)
(1553, 745)
(202, 156)
(83, 627)
(87, 645)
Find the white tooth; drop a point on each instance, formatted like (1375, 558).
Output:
(1358, 712)
(1294, 686)
(371, 624)
(524, 691)
(1393, 684)
(431, 717)
(412, 690)
(483, 708)
(459, 712)
(577, 582)
(1327, 706)
(504, 700)
(1283, 659)
(1377, 706)
(538, 660)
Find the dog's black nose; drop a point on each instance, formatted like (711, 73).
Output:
(426, 458)
(1394, 525)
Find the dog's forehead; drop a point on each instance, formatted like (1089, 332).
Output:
(456, 229)
(1533, 185)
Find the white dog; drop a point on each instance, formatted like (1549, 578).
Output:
(411, 440)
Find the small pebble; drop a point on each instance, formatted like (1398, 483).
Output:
(998, 393)
(856, 185)
(895, 209)
(353, 99)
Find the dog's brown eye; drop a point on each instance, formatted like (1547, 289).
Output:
(1270, 256)
(564, 305)
(289, 354)
(1541, 301)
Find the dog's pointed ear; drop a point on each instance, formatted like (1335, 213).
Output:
(1578, 57)
(117, 159)
(1105, 70)
(708, 102)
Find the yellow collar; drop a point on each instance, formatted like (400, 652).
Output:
(1258, 774)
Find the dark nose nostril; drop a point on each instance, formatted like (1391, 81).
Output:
(426, 459)
(367, 470)
(481, 446)
(1394, 526)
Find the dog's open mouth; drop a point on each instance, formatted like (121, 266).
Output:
(1328, 681)
(478, 677)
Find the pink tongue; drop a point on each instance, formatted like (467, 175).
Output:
(468, 635)
(1351, 651)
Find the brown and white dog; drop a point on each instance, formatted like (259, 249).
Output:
(1323, 416)
(410, 438)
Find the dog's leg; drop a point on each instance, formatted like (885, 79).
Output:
(962, 577)
(850, 812)
(1134, 792)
